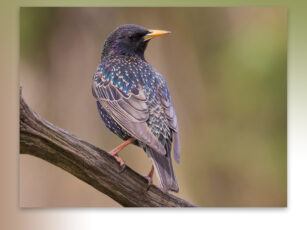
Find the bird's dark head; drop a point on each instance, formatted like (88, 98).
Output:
(130, 40)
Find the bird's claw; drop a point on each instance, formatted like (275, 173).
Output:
(120, 161)
(123, 168)
(149, 182)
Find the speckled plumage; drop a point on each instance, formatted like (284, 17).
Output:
(133, 101)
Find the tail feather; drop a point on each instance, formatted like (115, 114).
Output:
(164, 167)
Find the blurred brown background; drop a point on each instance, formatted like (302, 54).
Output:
(226, 71)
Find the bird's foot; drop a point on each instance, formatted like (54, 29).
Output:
(114, 152)
(149, 177)
(119, 160)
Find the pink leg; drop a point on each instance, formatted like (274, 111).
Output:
(149, 176)
(114, 152)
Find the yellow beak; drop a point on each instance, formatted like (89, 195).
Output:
(155, 33)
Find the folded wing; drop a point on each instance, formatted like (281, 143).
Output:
(171, 118)
(129, 110)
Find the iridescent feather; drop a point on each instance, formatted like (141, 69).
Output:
(133, 101)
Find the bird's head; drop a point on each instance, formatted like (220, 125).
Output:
(130, 40)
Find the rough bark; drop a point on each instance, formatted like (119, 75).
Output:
(90, 164)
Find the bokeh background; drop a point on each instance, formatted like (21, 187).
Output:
(226, 71)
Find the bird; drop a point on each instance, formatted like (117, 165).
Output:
(134, 102)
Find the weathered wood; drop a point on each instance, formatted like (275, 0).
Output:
(92, 165)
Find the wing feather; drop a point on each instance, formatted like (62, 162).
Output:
(170, 113)
(130, 111)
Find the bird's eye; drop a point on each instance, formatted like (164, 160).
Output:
(131, 37)
(135, 37)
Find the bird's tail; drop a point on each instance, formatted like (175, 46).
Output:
(164, 167)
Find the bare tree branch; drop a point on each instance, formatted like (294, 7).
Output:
(92, 165)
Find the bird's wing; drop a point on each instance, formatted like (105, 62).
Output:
(129, 110)
(170, 113)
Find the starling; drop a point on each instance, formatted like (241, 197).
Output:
(134, 102)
